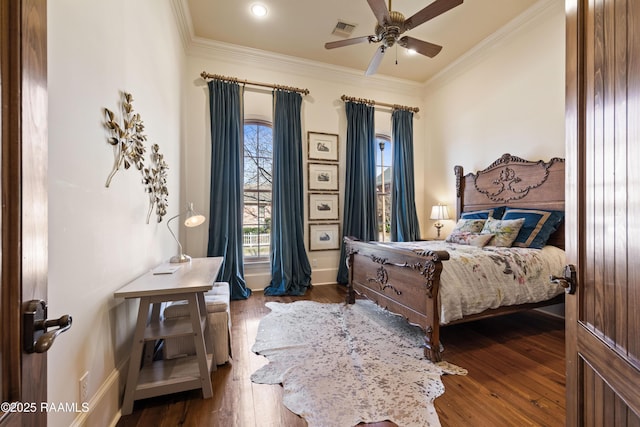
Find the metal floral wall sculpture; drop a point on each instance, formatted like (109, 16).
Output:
(127, 140)
(155, 181)
(128, 149)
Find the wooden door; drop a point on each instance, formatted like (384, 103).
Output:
(23, 179)
(603, 212)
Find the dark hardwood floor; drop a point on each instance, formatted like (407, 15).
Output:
(515, 363)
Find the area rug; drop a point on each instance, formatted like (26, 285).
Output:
(344, 364)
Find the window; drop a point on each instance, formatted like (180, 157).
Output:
(258, 164)
(383, 187)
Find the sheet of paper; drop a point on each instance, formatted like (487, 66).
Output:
(165, 269)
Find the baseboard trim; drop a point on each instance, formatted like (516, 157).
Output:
(324, 276)
(319, 276)
(334, 283)
(104, 406)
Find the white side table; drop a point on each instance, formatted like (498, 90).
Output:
(189, 283)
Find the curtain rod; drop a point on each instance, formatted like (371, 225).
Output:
(383, 104)
(206, 76)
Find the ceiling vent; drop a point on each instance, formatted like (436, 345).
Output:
(343, 29)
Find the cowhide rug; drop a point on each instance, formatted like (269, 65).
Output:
(345, 364)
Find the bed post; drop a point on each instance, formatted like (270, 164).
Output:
(350, 251)
(433, 348)
(459, 190)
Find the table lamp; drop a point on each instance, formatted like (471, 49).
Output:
(439, 212)
(193, 219)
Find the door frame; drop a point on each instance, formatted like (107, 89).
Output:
(23, 85)
(574, 186)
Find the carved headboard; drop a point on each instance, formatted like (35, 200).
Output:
(514, 182)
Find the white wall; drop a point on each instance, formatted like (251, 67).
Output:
(322, 111)
(98, 237)
(505, 97)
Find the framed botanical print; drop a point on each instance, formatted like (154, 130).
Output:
(323, 207)
(324, 237)
(323, 177)
(323, 146)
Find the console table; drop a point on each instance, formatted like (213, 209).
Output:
(189, 282)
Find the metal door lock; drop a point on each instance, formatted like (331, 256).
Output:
(36, 336)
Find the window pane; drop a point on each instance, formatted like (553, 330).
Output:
(265, 198)
(264, 169)
(265, 136)
(250, 133)
(383, 157)
(384, 217)
(250, 175)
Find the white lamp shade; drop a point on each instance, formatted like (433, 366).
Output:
(439, 212)
(193, 219)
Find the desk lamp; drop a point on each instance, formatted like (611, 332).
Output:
(193, 219)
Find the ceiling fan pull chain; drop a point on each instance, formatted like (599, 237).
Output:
(396, 52)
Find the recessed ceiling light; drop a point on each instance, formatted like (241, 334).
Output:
(259, 10)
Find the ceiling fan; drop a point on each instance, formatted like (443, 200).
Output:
(392, 24)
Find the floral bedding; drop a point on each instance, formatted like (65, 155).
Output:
(475, 279)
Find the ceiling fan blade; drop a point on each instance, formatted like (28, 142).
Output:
(422, 47)
(436, 8)
(347, 42)
(375, 61)
(379, 8)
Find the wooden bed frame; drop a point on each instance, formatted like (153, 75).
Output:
(407, 283)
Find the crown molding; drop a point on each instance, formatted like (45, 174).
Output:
(257, 58)
(486, 46)
(183, 20)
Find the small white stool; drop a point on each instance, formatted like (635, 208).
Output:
(217, 331)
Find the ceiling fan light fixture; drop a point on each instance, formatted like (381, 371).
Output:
(392, 24)
(259, 10)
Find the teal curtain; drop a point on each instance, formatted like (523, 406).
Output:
(290, 268)
(404, 220)
(360, 218)
(225, 209)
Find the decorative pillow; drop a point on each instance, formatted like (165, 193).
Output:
(537, 228)
(463, 228)
(468, 238)
(470, 225)
(484, 214)
(504, 231)
(481, 240)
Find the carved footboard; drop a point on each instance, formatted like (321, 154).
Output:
(401, 281)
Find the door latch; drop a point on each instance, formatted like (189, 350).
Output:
(36, 337)
(569, 281)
